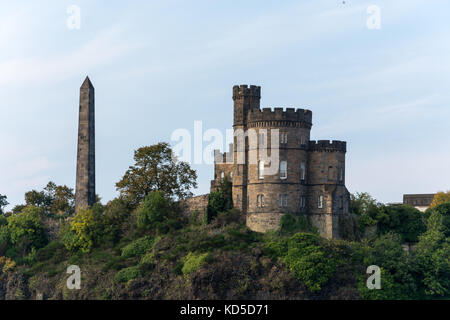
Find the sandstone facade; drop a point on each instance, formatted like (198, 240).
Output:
(275, 168)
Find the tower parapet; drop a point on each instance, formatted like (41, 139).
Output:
(245, 90)
(328, 146)
(302, 117)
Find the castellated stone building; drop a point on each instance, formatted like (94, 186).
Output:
(275, 168)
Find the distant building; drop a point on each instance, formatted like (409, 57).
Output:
(419, 201)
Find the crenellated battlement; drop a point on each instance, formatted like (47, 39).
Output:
(278, 114)
(327, 145)
(245, 90)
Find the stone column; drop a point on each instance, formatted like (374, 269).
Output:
(85, 184)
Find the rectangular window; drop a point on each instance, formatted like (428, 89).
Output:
(261, 169)
(341, 174)
(261, 139)
(302, 171)
(285, 200)
(283, 137)
(320, 202)
(283, 170)
(302, 202)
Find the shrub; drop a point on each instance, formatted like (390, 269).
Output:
(138, 247)
(156, 213)
(404, 220)
(6, 264)
(220, 200)
(25, 229)
(127, 274)
(290, 224)
(305, 257)
(84, 231)
(193, 262)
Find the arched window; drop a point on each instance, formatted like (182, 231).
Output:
(320, 202)
(262, 201)
(222, 175)
(261, 169)
(283, 170)
(341, 174)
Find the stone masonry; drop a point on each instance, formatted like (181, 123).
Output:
(309, 182)
(85, 180)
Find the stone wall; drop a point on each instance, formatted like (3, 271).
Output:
(194, 205)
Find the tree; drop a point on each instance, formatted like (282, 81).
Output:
(432, 257)
(84, 231)
(156, 212)
(361, 202)
(3, 203)
(53, 199)
(404, 220)
(26, 230)
(155, 168)
(220, 200)
(440, 198)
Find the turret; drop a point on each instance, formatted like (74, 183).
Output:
(245, 98)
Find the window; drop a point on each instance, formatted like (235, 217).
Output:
(341, 174)
(261, 169)
(222, 175)
(302, 202)
(283, 170)
(231, 174)
(283, 137)
(282, 200)
(320, 202)
(303, 140)
(238, 200)
(302, 171)
(260, 201)
(261, 139)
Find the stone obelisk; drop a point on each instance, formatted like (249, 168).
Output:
(85, 184)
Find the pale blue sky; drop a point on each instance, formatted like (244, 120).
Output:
(158, 66)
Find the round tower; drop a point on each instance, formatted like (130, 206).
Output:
(277, 163)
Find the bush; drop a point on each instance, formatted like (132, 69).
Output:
(26, 231)
(84, 231)
(156, 212)
(193, 262)
(220, 200)
(306, 258)
(127, 274)
(138, 247)
(404, 220)
(290, 224)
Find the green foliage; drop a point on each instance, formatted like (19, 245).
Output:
(84, 231)
(397, 279)
(26, 231)
(220, 200)
(290, 224)
(193, 262)
(138, 247)
(127, 274)
(404, 220)
(432, 257)
(156, 212)
(53, 199)
(306, 258)
(156, 169)
(3, 203)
